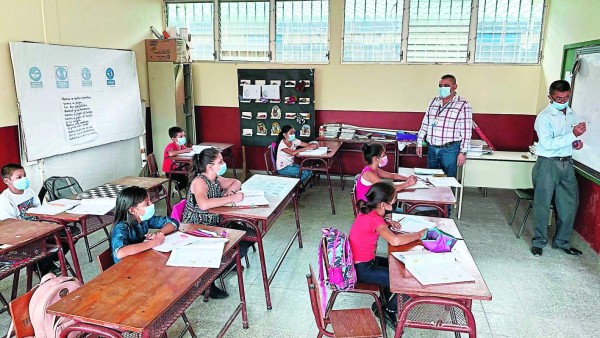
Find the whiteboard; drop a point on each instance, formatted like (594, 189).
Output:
(586, 87)
(73, 98)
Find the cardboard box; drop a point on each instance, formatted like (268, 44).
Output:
(166, 50)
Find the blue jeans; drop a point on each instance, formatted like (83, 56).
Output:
(376, 271)
(443, 158)
(293, 171)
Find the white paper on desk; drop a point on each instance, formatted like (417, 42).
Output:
(250, 192)
(271, 92)
(94, 206)
(444, 182)
(412, 223)
(425, 171)
(402, 145)
(176, 240)
(49, 209)
(205, 256)
(198, 148)
(314, 152)
(252, 201)
(251, 92)
(65, 201)
(434, 268)
(418, 185)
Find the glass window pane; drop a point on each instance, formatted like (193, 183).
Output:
(301, 32)
(509, 31)
(438, 30)
(244, 28)
(372, 30)
(198, 19)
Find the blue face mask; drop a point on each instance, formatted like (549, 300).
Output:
(148, 213)
(21, 184)
(181, 141)
(443, 92)
(223, 169)
(560, 106)
(292, 138)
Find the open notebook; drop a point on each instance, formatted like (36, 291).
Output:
(433, 268)
(252, 198)
(314, 152)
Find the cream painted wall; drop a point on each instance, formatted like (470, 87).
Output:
(568, 22)
(91, 23)
(503, 89)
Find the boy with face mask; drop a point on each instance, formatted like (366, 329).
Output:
(18, 197)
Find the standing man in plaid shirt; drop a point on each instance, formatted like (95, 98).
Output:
(447, 123)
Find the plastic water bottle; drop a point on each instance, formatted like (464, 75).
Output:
(321, 131)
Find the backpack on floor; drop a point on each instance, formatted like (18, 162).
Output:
(341, 272)
(50, 290)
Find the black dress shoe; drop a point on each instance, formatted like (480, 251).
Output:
(572, 251)
(216, 293)
(536, 251)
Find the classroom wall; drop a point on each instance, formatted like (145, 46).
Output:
(571, 22)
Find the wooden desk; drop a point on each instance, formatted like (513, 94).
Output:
(452, 295)
(141, 294)
(502, 169)
(27, 242)
(437, 197)
(279, 191)
(353, 146)
(323, 163)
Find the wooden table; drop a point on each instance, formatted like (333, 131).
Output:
(26, 242)
(501, 169)
(440, 198)
(323, 163)
(279, 191)
(458, 295)
(353, 146)
(141, 294)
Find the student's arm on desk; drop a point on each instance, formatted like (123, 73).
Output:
(132, 249)
(398, 239)
(166, 225)
(200, 191)
(390, 176)
(410, 181)
(230, 185)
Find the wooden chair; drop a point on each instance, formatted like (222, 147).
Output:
(105, 261)
(19, 311)
(269, 156)
(344, 323)
(372, 290)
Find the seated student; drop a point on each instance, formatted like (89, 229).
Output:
(363, 237)
(209, 190)
(176, 147)
(134, 215)
(14, 203)
(372, 173)
(287, 147)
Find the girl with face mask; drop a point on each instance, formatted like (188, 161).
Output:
(363, 237)
(134, 216)
(287, 148)
(372, 173)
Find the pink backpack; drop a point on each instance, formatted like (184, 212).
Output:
(50, 290)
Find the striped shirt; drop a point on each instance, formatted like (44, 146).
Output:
(447, 123)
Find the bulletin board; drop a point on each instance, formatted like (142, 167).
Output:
(262, 115)
(73, 98)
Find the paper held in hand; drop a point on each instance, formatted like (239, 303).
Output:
(433, 268)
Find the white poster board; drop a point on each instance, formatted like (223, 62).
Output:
(585, 105)
(73, 98)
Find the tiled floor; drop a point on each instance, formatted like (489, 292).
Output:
(555, 295)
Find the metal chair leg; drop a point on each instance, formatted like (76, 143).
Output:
(525, 218)
(188, 327)
(247, 261)
(515, 211)
(87, 247)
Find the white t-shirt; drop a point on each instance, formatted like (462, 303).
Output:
(283, 159)
(15, 206)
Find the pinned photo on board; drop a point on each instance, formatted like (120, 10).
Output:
(305, 130)
(290, 83)
(290, 100)
(306, 83)
(261, 115)
(276, 112)
(290, 116)
(261, 129)
(247, 115)
(304, 100)
(305, 115)
(246, 132)
(245, 82)
(275, 82)
(275, 129)
(260, 82)
(251, 92)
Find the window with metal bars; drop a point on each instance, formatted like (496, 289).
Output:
(509, 31)
(244, 30)
(372, 30)
(198, 19)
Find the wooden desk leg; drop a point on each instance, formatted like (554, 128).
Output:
(73, 253)
(339, 158)
(297, 216)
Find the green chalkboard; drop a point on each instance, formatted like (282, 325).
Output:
(258, 116)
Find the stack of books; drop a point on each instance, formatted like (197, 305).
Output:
(331, 130)
(478, 148)
(347, 134)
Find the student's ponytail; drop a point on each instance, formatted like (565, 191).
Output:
(380, 192)
(371, 150)
(202, 160)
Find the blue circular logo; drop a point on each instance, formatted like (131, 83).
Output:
(61, 73)
(35, 74)
(86, 74)
(110, 74)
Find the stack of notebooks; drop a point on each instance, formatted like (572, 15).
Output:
(347, 134)
(331, 131)
(478, 148)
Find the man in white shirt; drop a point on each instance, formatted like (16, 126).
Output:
(18, 197)
(557, 128)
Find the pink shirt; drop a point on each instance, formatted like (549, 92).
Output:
(166, 167)
(363, 236)
(361, 188)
